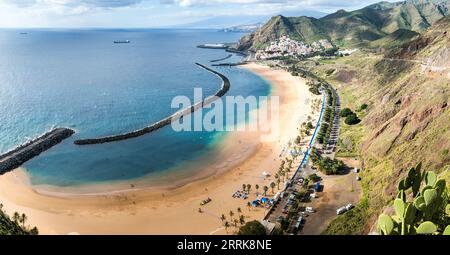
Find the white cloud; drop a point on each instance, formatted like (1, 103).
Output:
(150, 12)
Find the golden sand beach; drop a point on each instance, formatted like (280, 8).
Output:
(171, 208)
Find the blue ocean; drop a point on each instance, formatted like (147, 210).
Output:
(80, 79)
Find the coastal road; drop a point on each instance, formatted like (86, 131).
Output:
(303, 170)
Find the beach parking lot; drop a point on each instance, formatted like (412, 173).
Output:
(338, 191)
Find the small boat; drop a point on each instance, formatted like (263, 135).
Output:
(126, 41)
(23, 33)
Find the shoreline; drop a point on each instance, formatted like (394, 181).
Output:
(172, 210)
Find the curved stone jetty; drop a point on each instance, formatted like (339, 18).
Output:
(221, 59)
(168, 120)
(16, 157)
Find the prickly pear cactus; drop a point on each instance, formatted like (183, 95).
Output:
(427, 207)
(385, 225)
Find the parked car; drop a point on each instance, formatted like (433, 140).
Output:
(349, 207)
(309, 209)
(298, 223)
(341, 210)
(285, 209)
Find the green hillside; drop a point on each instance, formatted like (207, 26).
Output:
(352, 28)
(393, 40)
(407, 91)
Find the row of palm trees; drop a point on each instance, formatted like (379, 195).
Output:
(234, 220)
(281, 175)
(20, 220)
(17, 218)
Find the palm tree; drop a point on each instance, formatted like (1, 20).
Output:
(239, 211)
(278, 183)
(34, 231)
(282, 173)
(249, 205)
(231, 215)
(242, 220)
(222, 218)
(200, 210)
(256, 187)
(287, 171)
(16, 217)
(226, 225)
(272, 185)
(249, 187)
(236, 221)
(244, 187)
(280, 169)
(265, 190)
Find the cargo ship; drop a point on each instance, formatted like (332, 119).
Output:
(126, 41)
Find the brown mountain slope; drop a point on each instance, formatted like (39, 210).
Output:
(408, 118)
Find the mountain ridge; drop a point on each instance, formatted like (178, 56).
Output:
(351, 27)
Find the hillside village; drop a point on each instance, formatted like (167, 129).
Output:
(285, 46)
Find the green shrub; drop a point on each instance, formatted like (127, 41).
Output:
(327, 114)
(330, 166)
(252, 228)
(346, 112)
(314, 90)
(363, 107)
(314, 178)
(352, 119)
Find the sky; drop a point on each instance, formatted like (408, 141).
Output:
(153, 13)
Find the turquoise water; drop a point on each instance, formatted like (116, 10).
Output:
(81, 80)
